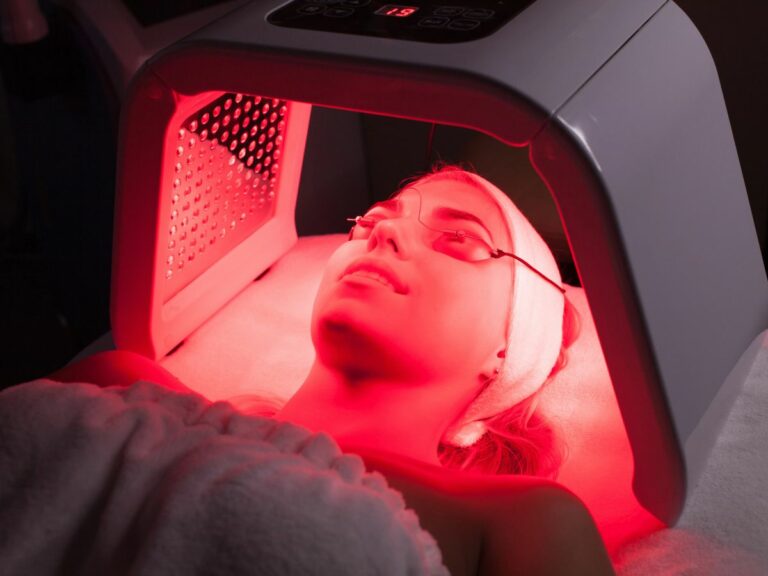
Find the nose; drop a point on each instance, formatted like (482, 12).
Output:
(394, 235)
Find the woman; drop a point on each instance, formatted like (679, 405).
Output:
(435, 328)
(432, 342)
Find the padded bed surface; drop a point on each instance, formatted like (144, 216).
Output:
(724, 527)
(259, 344)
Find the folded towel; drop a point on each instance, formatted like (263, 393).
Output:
(142, 480)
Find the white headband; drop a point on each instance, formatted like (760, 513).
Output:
(534, 326)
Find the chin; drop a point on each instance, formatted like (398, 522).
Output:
(344, 321)
(346, 305)
(351, 332)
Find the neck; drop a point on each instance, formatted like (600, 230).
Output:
(366, 413)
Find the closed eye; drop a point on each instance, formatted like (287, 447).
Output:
(458, 235)
(448, 218)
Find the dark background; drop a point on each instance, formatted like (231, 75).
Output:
(58, 137)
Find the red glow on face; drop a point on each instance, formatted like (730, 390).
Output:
(388, 288)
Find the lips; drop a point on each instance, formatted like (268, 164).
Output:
(377, 272)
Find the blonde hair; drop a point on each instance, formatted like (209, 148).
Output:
(519, 440)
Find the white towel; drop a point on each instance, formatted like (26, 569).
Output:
(142, 480)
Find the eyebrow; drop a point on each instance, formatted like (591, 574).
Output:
(392, 204)
(456, 214)
(395, 205)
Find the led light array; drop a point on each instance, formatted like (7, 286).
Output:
(223, 182)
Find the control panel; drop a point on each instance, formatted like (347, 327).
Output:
(420, 21)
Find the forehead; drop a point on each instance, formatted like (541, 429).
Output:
(444, 192)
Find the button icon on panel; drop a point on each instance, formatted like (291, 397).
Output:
(463, 25)
(356, 3)
(339, 12)
(479, 13)
(311, 9)
(448, 11)
(433, 22)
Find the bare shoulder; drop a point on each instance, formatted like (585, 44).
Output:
(538, 528)
(493, 525)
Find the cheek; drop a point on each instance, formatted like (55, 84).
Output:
(342, 257)
(331, 272)
(474, 306)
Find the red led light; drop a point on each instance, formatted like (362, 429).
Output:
(228, 169)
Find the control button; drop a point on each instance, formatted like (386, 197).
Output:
(448, 11)
(339, 12)
(479, 13)
(433, 22)
(463, 24)
(356, 3)
(311, 9)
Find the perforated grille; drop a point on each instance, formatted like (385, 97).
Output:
(224, 181)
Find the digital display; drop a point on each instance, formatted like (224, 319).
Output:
(434, 21)
(397, 11)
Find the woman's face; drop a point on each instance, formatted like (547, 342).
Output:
(401, 302)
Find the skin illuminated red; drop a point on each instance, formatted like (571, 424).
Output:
(405, 335)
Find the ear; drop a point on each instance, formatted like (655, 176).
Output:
(571, 324)
(571, 331)
(492, 365)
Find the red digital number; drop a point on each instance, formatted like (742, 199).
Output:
(398, 11)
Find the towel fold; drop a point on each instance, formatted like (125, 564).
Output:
(142, 480)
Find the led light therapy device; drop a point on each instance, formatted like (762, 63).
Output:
(618, 103)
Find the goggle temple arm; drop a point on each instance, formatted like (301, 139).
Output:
(498, 253)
